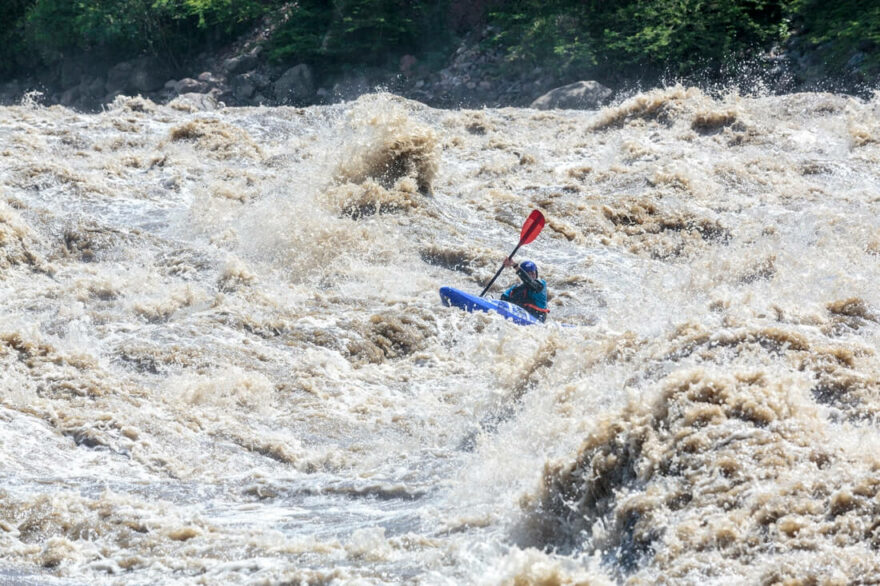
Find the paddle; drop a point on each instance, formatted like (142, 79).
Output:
(530, 230)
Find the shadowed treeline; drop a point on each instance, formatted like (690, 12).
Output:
(570, 39)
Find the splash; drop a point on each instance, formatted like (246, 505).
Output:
(389, 146)
(216, 138)
(714, 461)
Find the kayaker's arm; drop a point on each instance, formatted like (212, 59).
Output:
(528, 281)
(533, 284)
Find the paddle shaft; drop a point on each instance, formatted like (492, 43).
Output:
(501, 269)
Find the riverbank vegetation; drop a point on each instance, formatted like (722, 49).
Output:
(570, 38)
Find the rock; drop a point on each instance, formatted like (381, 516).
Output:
(10, 91)
(148, 74)
(69, 97)
(856, 60)
(581, 95)
(259, 79)
(92, 87)
(295, 86)
(243, 87)
(117, 77)
(240, 64)
(145, 74)
(195, 103)
(353, 86)
(188, 85)
(407, 64)
(71, 73)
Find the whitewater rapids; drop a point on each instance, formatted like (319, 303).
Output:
(223, 357)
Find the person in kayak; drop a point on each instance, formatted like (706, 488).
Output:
(531, 294)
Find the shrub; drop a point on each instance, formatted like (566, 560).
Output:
(357, 31)
(166, 28)
(839, 29)
(12, 40)
(679, 35)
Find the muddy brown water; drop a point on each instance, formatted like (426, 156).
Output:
(223, 358)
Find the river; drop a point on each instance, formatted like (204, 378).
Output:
(223, 357)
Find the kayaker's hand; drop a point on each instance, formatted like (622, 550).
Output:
(509, 263)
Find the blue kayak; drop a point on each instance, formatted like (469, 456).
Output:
(455, 298)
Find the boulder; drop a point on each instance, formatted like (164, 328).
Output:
(581, 95)
(351, 87)
(71, 73)
(195, 102)
(148, 74)
(295, 86)
(246, 85)
(241, 64)
(260, 79)
(10, 92)
(408, 64)
(118, 76)
(92, 87)
(243, 87)
(70, 97)
(188, 85)
(856, 61)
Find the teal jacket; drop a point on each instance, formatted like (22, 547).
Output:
(531, 295)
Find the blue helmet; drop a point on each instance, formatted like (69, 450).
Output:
(529, 267)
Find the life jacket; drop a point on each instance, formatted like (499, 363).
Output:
(535, 302)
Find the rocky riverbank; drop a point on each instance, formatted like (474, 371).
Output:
(473, 77)
(241, 76)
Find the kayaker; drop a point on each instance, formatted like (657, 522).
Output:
(531, 294)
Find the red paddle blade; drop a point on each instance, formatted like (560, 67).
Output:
(532, 227)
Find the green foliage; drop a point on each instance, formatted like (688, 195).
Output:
(565, 37)
(356, 31)
(552, 34)
(691, 34)
(226, 15)
(370, 29)
(300, 30)
(49, 26)
(686, 35)
(12, 41)
(841, 28)
(167, 28)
